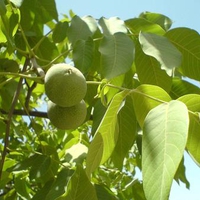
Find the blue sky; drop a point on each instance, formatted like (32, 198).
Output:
(183, 13)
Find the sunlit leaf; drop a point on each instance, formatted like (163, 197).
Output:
(192, 101)
(127, 132)
(112, 25)
(182, 87)
(17, 3)
(149, 71)
(146, 97)
(110, 92)
(164, 140)
(78, 30)
(188, 43)
(117, 54)
(106, 135)
(91, 22)
(193, 142)
(157, 18)
(9, 25)
(162, 50)
(136, 25)
(77, 153)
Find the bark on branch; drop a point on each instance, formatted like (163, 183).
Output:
(25, 113)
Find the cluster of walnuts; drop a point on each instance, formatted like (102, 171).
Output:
(65, 86)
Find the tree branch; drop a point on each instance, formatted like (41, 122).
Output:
(25, 113)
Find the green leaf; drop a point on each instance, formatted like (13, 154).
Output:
(7, 93)
(47, 10)
(188, 43)
(17, 3)
(78, 30)
(149, 71)
(181, 87)
(110, 92)
(106, 135)
(136, 25)
(79, 187)
(43, 168)
(37, 171)
(54, 188)
(117, 54)
(60, 32)
(146, 97)
(112, 25)
(104, 193)
(28, 13)
(157, 18)
(91, 22)
(77, 153)
(46, 50)
(193, 142)
(41, 194)
(59, 185)
(21, 186)
(133, 190)
(9, 25)
(37, 13)
(127, 132)
(162, 50)
(181, 175)
(2, 8)
(164, 140)
(83, 54)
(25, 164)
(98, 113)
(192, 101)
(7, 65)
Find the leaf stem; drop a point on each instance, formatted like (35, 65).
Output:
(26, 42)
(148, 96)
(106, 85)
(60, 55)
(20, 75)
(94, 82)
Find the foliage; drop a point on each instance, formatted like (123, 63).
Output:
(142, 105)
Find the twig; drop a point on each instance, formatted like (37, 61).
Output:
(9, 119)
(25, 113)
(38, 69)
(28, 96)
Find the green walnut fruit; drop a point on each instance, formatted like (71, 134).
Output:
(66, 117)
(65, 85)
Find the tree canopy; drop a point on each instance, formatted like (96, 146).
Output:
(142, 104)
